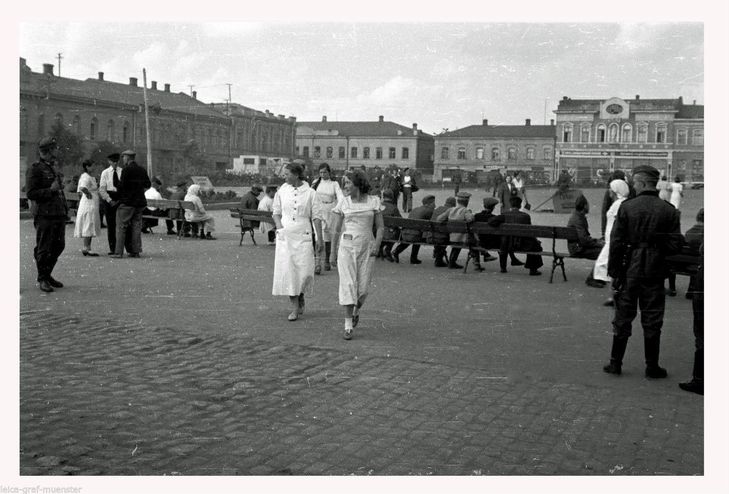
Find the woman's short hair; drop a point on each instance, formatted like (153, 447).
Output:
(359, 180)
(581, 203)
(296, 169)
(87, 164)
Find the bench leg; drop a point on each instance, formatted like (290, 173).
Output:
(242, 234)
(465, 264)
(557, 261)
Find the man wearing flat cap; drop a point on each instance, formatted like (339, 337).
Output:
(134, 181)
(414, 237)
(458, 213)
(44, 188)
(108, 184)
(646, 230)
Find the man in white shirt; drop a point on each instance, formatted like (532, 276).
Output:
(108, 193)
(154, 193)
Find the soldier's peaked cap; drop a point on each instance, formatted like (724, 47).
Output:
(463, 195)
(128, 152)
(648, 170)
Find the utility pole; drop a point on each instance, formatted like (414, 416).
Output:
(60, 56)
(191, 86)
(146, 124)
(231, 130)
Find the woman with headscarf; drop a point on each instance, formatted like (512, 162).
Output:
(294, 208)
(356, 247)
(620, 191)
(88, 220)
(328, 194)
(198, 213)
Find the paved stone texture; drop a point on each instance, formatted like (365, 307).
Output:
(181, 362)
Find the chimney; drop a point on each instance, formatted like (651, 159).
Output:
(694, 102)
(528, 122)
(324, 118)
(48, 68)
(564, 98)
(101, 76)
(551, 122)
(382, 118)
(133, 81)
(194, 94)
(485, 122)
(154, 85)
(167, 88)
(637, 97)
(415, 126)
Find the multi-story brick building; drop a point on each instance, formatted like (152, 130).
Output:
(595, 137)
(352, 144)
(474, 151)
(99, 110)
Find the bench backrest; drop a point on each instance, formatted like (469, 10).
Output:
(253, 215)
(169, 204)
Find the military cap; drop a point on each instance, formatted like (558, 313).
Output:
(490, 202)
(450, 201)
(129, 152)
(648, 170)
(463, 195)
(428, 199)
(113, 157)
(47, 143)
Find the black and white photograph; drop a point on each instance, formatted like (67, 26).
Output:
(365, 244)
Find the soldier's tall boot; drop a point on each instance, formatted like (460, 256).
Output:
(652, 351)
(696, 385)
(616, 356)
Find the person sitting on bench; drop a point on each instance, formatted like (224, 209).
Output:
(198, 214)
(147, 223)
(585, 247)
(510, 244)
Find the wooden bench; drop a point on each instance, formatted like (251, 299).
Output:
(175, 211)
(246, 216)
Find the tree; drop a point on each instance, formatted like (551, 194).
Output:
(102, 150)
(70, 147)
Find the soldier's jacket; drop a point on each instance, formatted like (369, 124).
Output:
(646, 230)
(44, 201)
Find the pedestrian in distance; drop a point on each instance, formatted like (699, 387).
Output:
(293, 213)
(408, 188)
(676, 193)
(88, 220)
(646, 230)
(664, 189)
(355, 218)
(44, 189)
(328, 194)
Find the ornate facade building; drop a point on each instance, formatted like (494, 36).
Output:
(346, 145)
(98, 110)
(595, 137)
(474, 151)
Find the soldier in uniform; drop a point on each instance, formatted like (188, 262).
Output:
(44, 187)
(646, 230)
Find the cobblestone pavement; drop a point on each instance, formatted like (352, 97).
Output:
(188, 366)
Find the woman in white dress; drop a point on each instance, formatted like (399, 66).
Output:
(88, 220)
(328, 195)
(676, 192)
(619, 191)
(293, 211)
(198, 214)
(266, 204)
(664, 189)
(355, 246)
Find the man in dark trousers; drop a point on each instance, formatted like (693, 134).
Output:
(696, 384)
(646, 230)
(510, 244)
(424, 212)
(109, 195)
(440, 240)
(179, 195)
(134, 181)
(486, 216)
(44, 188)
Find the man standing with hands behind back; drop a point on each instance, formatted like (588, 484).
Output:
(44, 187)
(134, 181)
(108, 192)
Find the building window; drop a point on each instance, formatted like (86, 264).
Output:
(330, 152)
(600, 133)
(125, 132)
(495, 154)
(627, 133)
(461, 153)
(585, 134)
(613, 133)
(378, 153)
(342, 153)
(297, 151)
(110, 131)
(366, 153)
(567, 133)
(530, 153)
(444, 153)
(681, 136)
(479, 153)
(660, 134)
(547, 152)
(406, 153)
(643, 133)
(697, 138)
(353, 152)
(92, 128)
(306, 151)
(317, 152)
(511, 153)
(77, 125)
(392, 153)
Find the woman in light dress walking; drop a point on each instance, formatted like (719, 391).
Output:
(328, 194)
(664, 189)
(619, 190)
(354, 245)
(294, 209)
(88, 220)
(676, 192)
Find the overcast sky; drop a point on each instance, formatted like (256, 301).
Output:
(439, 75)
